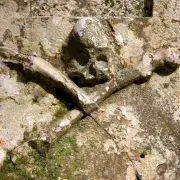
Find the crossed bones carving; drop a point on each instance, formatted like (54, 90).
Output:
(89, 102)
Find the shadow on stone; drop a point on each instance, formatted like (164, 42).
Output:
(166, 69)
(148, 8)
(48, 85)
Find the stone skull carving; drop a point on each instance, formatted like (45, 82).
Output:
(88, 53)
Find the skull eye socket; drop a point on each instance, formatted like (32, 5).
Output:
(82, 59)
(102, 57)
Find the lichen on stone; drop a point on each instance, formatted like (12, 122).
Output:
(27, 162)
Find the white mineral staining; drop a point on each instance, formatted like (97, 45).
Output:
(107, 88)
(80, 26)
(119, 39)
(64, 123)
(91, 33)
(2, 156)
(110, 146)
(151, 61)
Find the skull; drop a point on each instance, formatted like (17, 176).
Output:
(88, 53)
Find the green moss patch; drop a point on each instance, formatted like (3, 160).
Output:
(59, 159)
(59, 112)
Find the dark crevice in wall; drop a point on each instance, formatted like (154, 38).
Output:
(148, 8)
(138, 176)
(166, 69)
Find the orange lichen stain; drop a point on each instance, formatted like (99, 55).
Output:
(2, 142)
(130, 63)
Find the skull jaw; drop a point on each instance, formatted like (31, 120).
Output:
(88, 78)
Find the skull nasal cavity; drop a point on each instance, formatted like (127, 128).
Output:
(102, 57)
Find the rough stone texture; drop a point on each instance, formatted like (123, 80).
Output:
(144, 123)
(79, 8)
(162, 30)
(23, 106)
(136, 133)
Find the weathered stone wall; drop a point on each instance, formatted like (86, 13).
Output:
(137, 133)
(79, 8)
